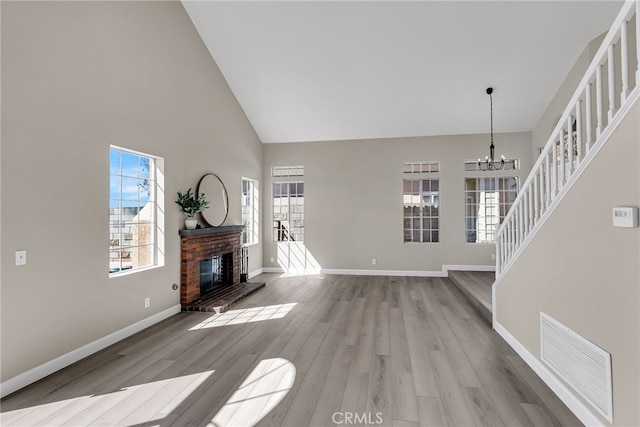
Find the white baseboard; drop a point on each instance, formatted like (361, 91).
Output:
(411, 273)
(354, 272)
(575, 405)
(256, 272)
(48, 368)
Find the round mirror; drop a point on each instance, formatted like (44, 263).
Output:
(211, 186)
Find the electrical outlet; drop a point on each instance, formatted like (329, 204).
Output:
(147, 302)
(272, 259)
(374, 261)
(493, 257)
(21, 257)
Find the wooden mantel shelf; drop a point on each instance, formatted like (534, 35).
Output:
(211, 230)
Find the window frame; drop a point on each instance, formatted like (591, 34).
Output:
(273, 213)
(250, 234)
(502, 208)
(420, 173)
(155, 201)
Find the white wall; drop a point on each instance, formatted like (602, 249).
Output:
(549, 118)
(353, 199)
(77, 77)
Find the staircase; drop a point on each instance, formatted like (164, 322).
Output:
(550, 264)
(604, 96)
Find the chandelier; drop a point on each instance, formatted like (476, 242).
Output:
(489, 162)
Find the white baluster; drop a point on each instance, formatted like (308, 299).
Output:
(515, 228)
(498, 254)
(515, 234)
(612, 79)
(525, 213)
(554, 171)
(530, 205)
(547, 182)
(570, 143)
(512, 237)
(624, 59)
(536, 197)
(637, 41)
(561, 176)
(579, 130)
(507, 240)
(521, 222)
(587, 113)
(598, 101)
(541, 192)
(503, 249)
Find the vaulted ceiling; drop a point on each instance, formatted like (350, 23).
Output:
(340, 70)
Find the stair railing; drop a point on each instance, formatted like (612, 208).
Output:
(580, 133)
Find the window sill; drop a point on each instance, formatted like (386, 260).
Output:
(133, 271)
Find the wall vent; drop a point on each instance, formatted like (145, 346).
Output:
(583, 365)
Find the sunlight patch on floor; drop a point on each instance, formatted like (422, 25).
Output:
(135, 405)
(246, 315)
(261, 391)
(295, 259)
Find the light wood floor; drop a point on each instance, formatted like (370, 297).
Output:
(309, 350)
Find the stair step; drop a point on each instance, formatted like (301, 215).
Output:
(476, 286)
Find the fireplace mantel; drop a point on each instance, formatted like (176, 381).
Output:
(212, 230)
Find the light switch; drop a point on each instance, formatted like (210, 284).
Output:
(625, 217)
(21, 257)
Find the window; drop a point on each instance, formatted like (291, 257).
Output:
(284, 171)
(421, 167)
(288, 211)
(421, 202)
(250, 211)
(135, 219)
(487, 201)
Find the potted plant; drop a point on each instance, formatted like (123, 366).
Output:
(191, 205)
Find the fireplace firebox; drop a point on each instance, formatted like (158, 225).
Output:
(215, 273)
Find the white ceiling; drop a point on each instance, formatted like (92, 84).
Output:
(340, 70)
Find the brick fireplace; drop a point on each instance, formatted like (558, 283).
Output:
(204, 244)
